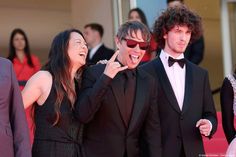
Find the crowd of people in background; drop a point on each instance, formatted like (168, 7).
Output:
(149, 98)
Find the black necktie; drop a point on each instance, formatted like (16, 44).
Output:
(129, 92)
(171, 61)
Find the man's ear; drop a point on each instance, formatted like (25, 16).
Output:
(118, 44)
(165, 36)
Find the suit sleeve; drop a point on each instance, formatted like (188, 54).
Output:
(152, 129)
(18, 121)
(209, 111)
(90, 95)
(226, 101)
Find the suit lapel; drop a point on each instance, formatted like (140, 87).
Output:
(118, 91)
(139, 102)
(165, 83)
(188, 87)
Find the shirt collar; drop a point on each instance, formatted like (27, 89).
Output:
(164, 56)
(96, 47)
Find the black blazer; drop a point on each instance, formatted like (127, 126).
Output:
(226, 101)
(100, 107)
(179, 127)
(14, 133)
(102, 53)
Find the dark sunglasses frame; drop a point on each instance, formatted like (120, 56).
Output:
(132, 44)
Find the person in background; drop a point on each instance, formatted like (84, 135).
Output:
(14, 134)
(25, 65)
(228, 110)
(52, 91)
(93, 34)
(195, 50)
(186, 107)
(117, 102)
(136, 14)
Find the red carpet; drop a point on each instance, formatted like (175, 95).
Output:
(217, 145)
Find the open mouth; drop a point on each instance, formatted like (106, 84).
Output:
(134, 58)
(82, 54)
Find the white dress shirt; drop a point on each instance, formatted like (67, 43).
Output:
(94, 50)
(176, 76)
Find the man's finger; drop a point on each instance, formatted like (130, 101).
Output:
(199, 123)
(114, 56)
(204, 127)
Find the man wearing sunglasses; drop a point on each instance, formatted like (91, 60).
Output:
(117, 102)
(185, 102)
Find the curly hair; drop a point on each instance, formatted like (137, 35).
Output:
(180, 16)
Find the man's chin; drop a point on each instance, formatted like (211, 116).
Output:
(182, 50)
(132, 66)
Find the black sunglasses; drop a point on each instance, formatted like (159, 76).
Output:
(132, 44)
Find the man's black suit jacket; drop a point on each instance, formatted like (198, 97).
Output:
(100, 107)
(102, 53)
(178, 128)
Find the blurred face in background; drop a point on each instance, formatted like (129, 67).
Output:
(134, 16)
(90, 36)
(19, 42)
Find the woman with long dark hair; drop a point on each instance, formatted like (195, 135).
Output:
(25, 65)
(53, 92)
(228, 108)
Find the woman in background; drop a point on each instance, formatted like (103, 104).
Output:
(25, 65)
(228, 108)
(52, 91)
(136, 14)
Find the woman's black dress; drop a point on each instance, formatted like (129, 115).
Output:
(61, 140)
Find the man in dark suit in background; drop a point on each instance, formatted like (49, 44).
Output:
(14, 134)
(119, 109)
(93, 34)
(185, 103)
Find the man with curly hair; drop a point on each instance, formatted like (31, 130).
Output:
(185, 103)
(195, 50)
